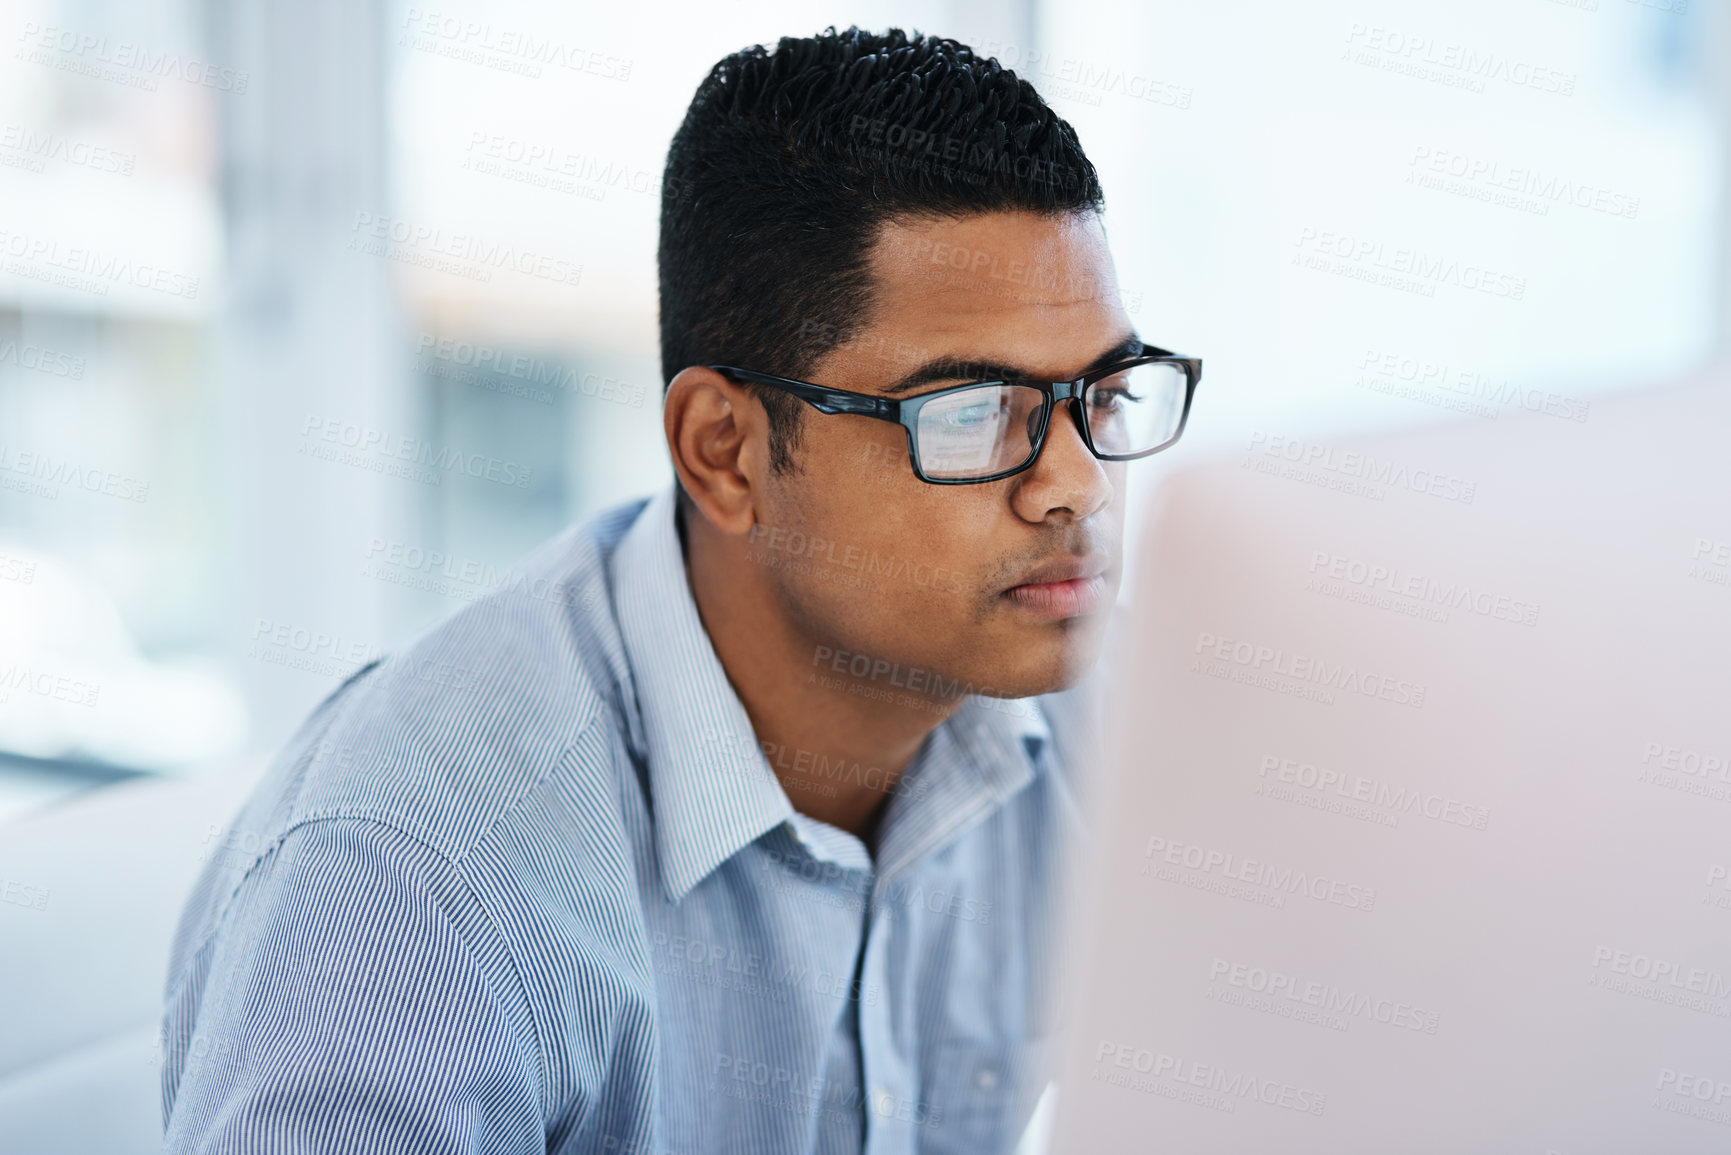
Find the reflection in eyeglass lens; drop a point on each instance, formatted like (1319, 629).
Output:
(978, 432)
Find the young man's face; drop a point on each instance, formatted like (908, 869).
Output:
(1002, 586)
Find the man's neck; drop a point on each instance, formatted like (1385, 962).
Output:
(838, 755)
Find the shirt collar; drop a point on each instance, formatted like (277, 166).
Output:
(969, 767)
(712, 791)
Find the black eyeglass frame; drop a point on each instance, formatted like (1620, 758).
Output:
(905, 411)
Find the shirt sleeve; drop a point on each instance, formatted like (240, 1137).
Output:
(355, 998)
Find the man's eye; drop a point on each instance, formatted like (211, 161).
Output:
(1111, 397)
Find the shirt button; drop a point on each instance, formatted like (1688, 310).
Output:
(987, 1078)
(886, 1102)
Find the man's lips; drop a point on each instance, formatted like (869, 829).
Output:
(1066, 588)
(1058, 600)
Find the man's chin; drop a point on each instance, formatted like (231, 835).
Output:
(1061, 671)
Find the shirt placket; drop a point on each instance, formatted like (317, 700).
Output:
(889, 1078)
(841, 850)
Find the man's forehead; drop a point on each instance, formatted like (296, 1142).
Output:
(1010, 289)
(986, 261)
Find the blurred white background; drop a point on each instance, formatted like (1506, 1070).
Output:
(278, 280)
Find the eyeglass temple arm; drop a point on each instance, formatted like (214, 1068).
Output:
(822, 399)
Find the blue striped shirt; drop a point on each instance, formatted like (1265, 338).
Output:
(532, 885)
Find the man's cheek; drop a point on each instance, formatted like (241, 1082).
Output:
(871, 456)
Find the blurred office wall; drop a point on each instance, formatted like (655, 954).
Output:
(315, 316)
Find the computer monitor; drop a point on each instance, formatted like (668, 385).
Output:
(1414, 829)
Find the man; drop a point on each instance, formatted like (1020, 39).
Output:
(735, 825)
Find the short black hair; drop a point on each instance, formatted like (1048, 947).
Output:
(789, 161)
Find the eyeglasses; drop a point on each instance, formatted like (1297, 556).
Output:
(989, 430)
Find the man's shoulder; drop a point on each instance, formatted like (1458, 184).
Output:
(445, 737)
(384, 803)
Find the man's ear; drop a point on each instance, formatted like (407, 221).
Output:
(718, 434)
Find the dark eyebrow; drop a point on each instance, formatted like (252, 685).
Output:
(954, 369)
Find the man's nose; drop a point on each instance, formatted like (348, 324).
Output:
(1066, 476)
